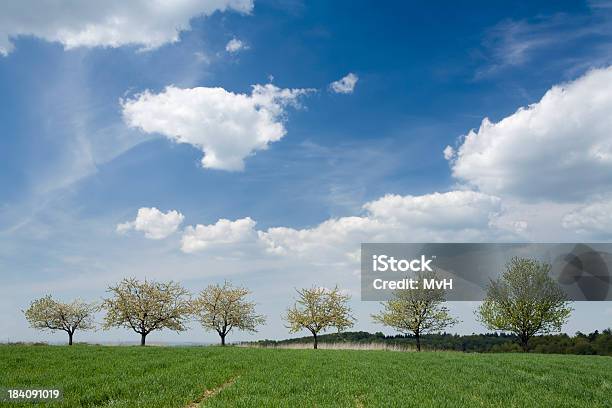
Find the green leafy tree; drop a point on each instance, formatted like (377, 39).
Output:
(223, 308)
(147, 306)
(49, 314)
(318, 309)
(416, 311)
(525, 300)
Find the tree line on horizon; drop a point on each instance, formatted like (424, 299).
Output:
(594, 343)
(524, 301)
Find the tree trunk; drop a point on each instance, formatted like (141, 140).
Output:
(524, 343)
(222, 339)
(143, 337)
(70, 338)
(418, 340)
(315, 340)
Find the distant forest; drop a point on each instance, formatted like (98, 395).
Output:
(595, 343)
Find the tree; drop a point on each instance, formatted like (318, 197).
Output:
(525, 301)
(318, 309)
(147, 306)
(416, 311)
(49, 314)
(223, 308)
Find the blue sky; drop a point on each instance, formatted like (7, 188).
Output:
(302, 176)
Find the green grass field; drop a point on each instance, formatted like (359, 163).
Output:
(241, 377)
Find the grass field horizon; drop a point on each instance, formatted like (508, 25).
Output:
(214, 376)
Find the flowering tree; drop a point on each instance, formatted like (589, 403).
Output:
(48, 314)
(318, 309)
(224, 307)
(147, 306)
(416, 311)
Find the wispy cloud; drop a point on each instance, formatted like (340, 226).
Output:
(514, 43)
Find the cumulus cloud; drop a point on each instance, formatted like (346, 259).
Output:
(222, 232)
(109, 23)
(334, 235)
(594, 218)
(153, 223)
(345, 85)
(226, 126)
(452, 216)
(448, 152)
(455, 210)
(235, 45)
(464, 216)
(559, 148)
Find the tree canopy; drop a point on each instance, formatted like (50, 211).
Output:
(147, 306)
(317, 309)
(525, 300)
(416, 311)
(225, 307)
(47, 313)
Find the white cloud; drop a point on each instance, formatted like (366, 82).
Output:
(449, 152)
(594, 218)
(453, 216)
(464, 216)
(456, 210)
(226, 126)
(558, 149)
(109, 23)
(235, 45)
(222, 232)
(339, 235)
(345, 85)
(520, 226)
(154, 223)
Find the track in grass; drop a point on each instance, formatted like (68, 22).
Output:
(211, 393)
(93, 376)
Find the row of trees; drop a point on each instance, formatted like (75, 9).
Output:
(524, 301)
(146, 306)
